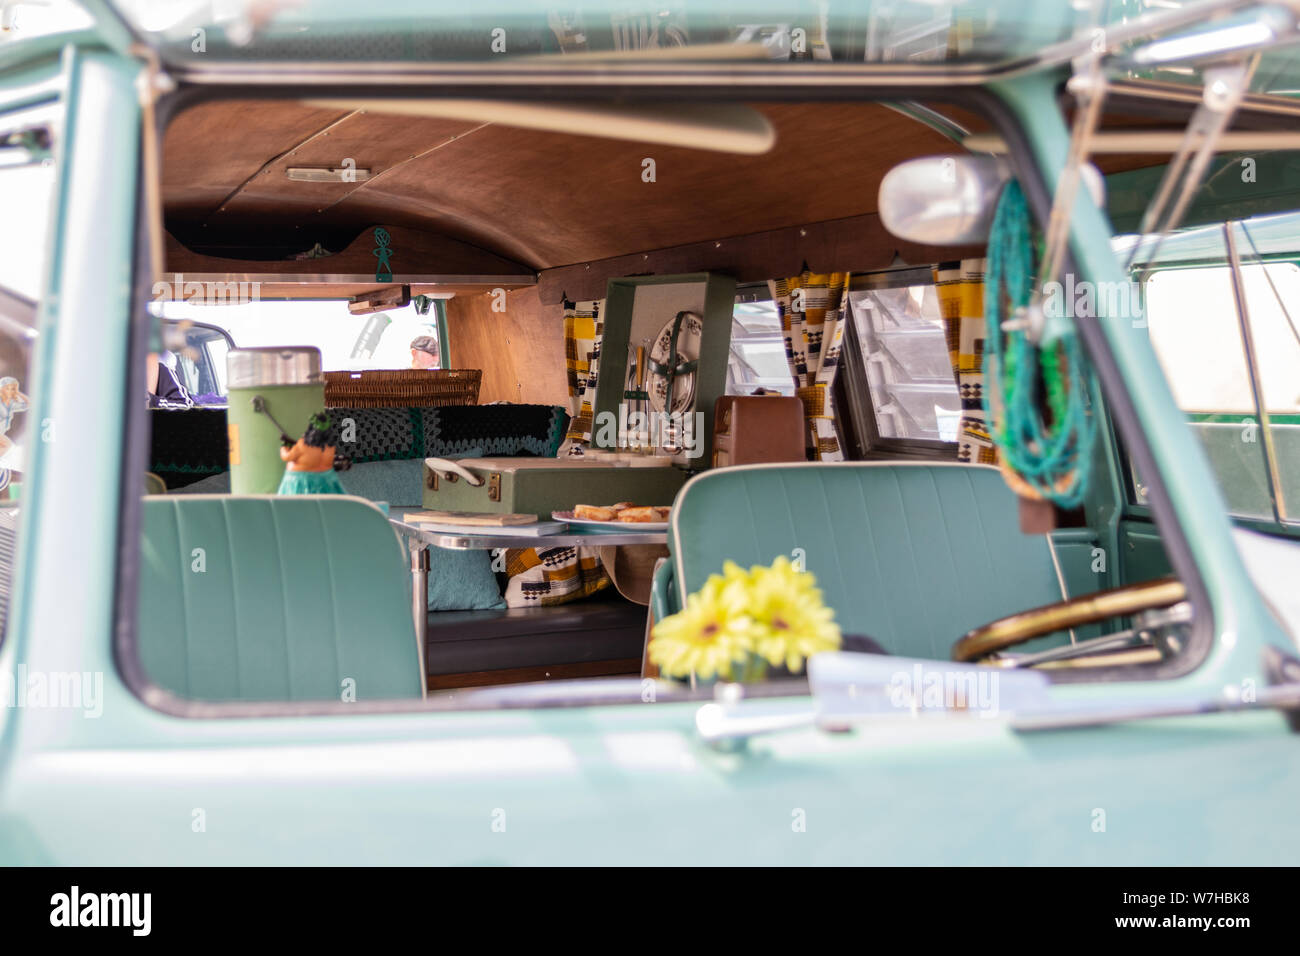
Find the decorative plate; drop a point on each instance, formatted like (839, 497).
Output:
(589, 524)
(688, 350)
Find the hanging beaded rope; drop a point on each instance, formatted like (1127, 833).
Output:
(1051, 459)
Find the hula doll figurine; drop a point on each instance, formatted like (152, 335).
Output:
(309, 462)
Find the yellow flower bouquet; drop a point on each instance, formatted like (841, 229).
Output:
(741, 622)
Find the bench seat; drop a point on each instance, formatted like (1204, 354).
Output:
(910, 555)
(258, 598)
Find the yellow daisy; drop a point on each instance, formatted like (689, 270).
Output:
(707, 636)
(791, 623)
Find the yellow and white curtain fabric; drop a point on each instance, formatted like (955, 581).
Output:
(541, 577)
(813, 309)
(583, 330)
(961, 303)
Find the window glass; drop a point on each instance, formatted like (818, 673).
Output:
(28, 192)
(24, 19)
(1197, 335)
(27, 185)
(1192, 317)
(905, 351)
(197, 348)
(757, 351)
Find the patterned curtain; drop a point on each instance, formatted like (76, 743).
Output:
(961, 302)
(540, 577)
(583, 331)
(813, 309)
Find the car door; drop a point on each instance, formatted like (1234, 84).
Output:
(117, 777)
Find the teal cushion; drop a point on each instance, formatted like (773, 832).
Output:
(398, 482)
(910, 555)
(462, 581)
(275, 598)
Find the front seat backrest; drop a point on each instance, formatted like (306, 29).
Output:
(910, 555)
(275, 598)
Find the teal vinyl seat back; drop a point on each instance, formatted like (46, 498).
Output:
(256, 598)
(911, 555)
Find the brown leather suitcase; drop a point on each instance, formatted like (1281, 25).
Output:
(750, 429)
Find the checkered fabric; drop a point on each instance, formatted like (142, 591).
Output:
(961, 303)
(545, 576)
(387, 434)
(813, 309)
(583, 330)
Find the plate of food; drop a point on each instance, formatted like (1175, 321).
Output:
(624, 516)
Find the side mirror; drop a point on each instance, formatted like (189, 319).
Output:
(942, 200)
(950, 200)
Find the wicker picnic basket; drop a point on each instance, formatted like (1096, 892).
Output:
(385, 388)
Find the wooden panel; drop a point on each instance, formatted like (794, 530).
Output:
(529, 675)
(858, 244)
(520, 350)
(545, 199)
(551, 199)
(377, 142)
(208, 151)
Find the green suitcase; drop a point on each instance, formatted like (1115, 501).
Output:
(542, 485)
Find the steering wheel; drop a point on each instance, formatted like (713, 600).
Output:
(1087, 609)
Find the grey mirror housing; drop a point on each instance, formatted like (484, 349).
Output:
(942, 200)
(950, 200)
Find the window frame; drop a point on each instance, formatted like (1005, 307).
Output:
(20, 316)
(1021, 150)
(1283, 521)
(746, 293)
(853, 386)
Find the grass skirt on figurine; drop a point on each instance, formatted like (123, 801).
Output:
(311, 483)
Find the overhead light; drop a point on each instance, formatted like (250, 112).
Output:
(327, 174)
(1261, 28)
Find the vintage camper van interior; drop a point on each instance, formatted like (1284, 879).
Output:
(566, 363)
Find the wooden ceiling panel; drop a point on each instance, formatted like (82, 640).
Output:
(210, 150)
(544, 199)
(553, 199)
(377, 142)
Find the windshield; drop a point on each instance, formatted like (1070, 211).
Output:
(381, 340)
(25, 19)
(404, 30)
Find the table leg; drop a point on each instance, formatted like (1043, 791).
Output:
(420, 608)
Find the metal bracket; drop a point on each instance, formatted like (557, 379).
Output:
(1089, 86)
(494, 486)
(1225, 87)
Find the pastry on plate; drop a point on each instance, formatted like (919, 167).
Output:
(638, 515)
(593, 513)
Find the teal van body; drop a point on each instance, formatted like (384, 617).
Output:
(139, 782)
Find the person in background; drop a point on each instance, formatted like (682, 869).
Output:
(12, 401)
(424, 352)
(164, 386)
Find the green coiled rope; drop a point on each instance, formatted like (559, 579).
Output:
(1054, 459)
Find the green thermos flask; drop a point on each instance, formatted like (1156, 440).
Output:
(272, 391)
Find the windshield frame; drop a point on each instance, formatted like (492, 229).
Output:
(975, 98)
